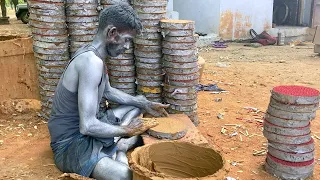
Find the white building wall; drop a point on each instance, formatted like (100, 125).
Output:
(231, 19)
(204, 12)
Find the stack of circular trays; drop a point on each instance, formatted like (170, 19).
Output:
(147, 48)
(121, 70)
(287, 127)
(82, 19)
(50, 46)
(180, 62)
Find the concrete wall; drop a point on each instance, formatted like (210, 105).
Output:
(238, 17)
(19, 77)
(316, 16)
(231, 19)
(204, 12)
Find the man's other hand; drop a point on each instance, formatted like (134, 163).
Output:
(156, 109)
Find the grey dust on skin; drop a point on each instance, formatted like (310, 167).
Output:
(86, 78)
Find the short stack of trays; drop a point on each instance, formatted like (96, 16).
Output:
(147, 48)
(82, 19)
(180, 62)
(50, 46)
(287, 127)
(121, 70)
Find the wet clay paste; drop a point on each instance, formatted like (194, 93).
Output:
(147, 124)
(168, 128)
(176, 160)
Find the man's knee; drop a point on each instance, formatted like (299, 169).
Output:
(125, 173)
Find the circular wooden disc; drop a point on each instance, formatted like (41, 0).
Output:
(177, 24)
(176, 52)
(286, 139)
(152, 16)
(182, 83)
(285, 122)
(294, 107)
(286, 131)
(150, 3)
(48, 25)
(51, 45)
(121, 73)
(184, 77)
(290, 115)
(50, 19)
(291, 157)
(283, 175)
(150, 77)
(148, 66)
(290, 167)
(180, 59)
(181, 71)
(148, 60)
(148, 42)
(82, 19)
(149, 83)
(168, 128)
(180, 96)
(189, 102)
(146, 89)
(46, 12)
(181, 65)
(184, 39)
(184, 108)
(145, 54)
(178, 46)
(177, 32)
(146, 71)
(46, 5)
(296, 95)
(294, 148)
(150, 9)
(50, 39)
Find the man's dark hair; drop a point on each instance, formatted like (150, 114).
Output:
(122, 16)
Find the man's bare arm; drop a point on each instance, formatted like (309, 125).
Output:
(117, 96)
(120, 97)
(90, 73)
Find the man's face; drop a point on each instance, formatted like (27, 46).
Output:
(120, 43)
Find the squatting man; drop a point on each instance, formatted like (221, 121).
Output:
(85, 140)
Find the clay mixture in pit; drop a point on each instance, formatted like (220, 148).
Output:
(177, 159)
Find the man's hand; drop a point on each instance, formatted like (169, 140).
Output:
(153, 108)
(139, 126)
(134, 127)
(156, 109)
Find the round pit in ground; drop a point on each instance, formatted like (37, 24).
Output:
(176, 160)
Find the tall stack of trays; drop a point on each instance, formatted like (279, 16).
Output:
(291, 148)
(147, 48)
(180, 60)
(121, 69)
(50, 46)
(122, 74)
(82, 19)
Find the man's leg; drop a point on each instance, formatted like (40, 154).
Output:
(124, 113)
(124, 145)
(108, 169)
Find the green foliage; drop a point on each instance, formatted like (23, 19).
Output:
(8, 2)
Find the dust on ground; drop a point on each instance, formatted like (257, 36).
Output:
(248, 74)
